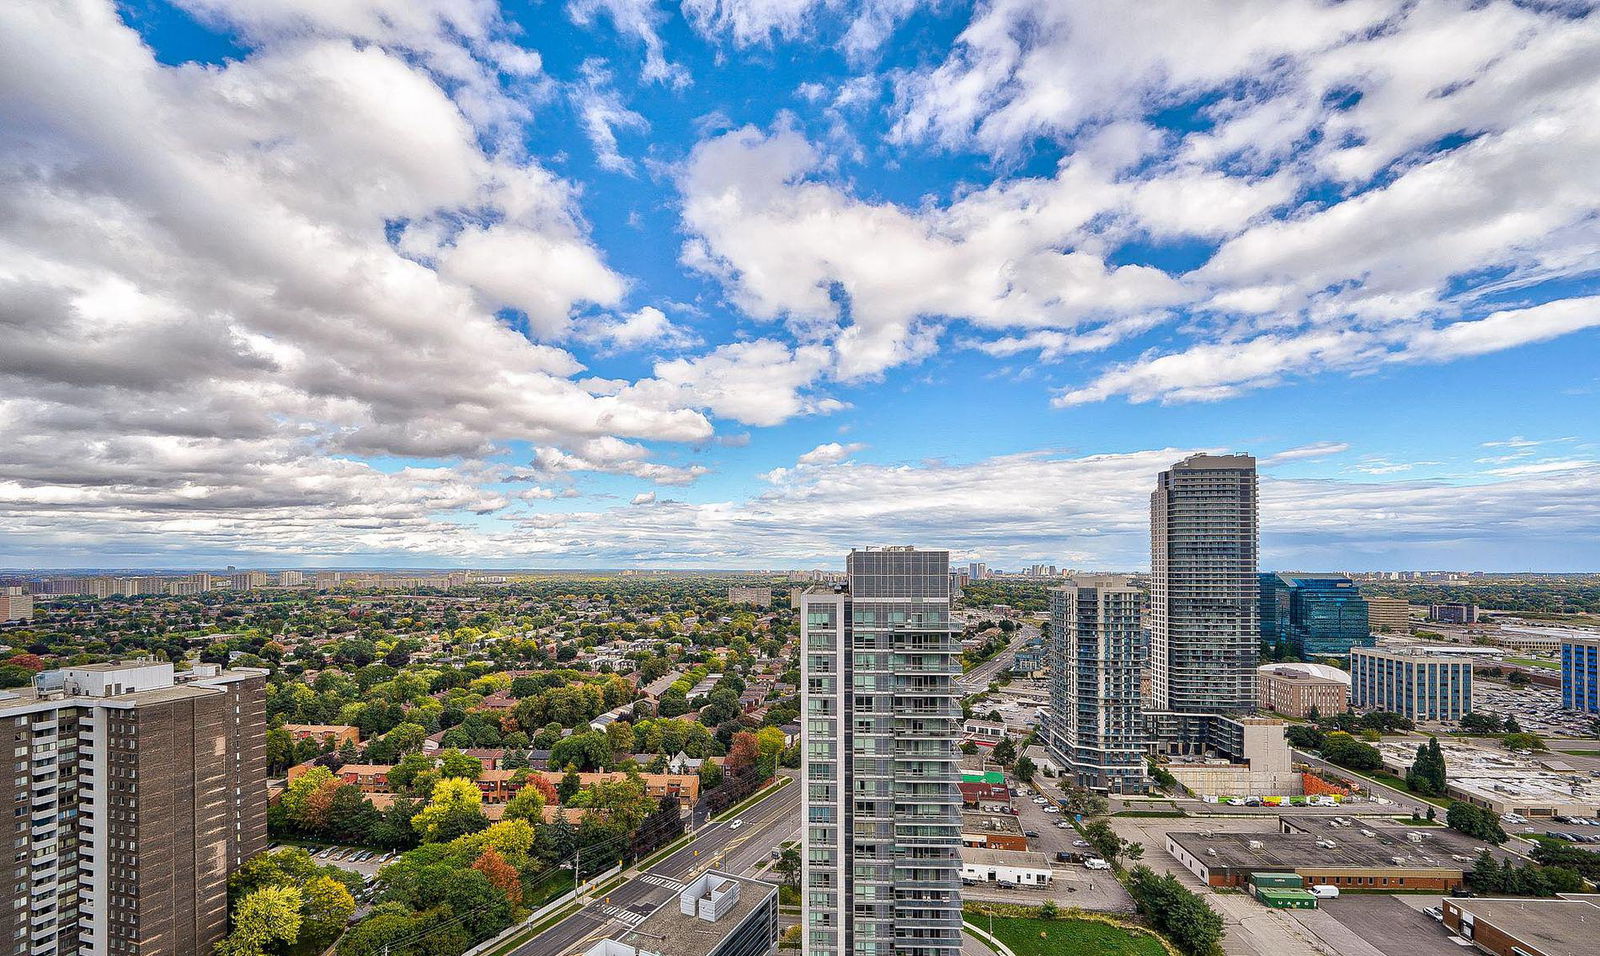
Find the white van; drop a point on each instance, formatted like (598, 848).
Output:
(1095, 863)
(1325, 891)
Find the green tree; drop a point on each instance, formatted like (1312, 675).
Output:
(1426, 775)
(1475, 821)
(1024, 769)
(1346, 751)
(454, 763)
(455, 808)
(1185, 918)
(1004, 752)
(265, 919)
(326, 908)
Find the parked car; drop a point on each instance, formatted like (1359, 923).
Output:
(1436, 913)
(1095, 863)
(1079, 842)
(1063, 825)
(1031, 834)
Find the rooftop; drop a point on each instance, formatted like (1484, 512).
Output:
(981, 856)
(1350, 850)
(671, 931)
(1561, 927)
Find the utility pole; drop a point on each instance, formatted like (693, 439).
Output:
(577, 884)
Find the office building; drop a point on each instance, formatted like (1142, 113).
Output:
(1204, 592)
(1411, 682)
(882, 838)
(1316, 615)
(1299, 690)
(1388, 615)
(718, 914)
(1096, 725)
(1580, 674)
(760, 597)
(1453, 613)
(137, 791)
(15, 605)
(977, 571)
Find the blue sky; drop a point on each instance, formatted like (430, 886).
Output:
(745, 283)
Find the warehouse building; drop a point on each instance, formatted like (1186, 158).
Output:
(1568, 926)
(1350, 860)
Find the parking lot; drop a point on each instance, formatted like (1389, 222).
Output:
(1537, 709)
(1073, 884)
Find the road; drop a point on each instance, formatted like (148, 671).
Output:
(765, 824)
(979, 677)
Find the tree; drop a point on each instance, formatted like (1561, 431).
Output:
(294, 798)
(1480, 723)
(455, 808)
(526, 804)
(1186, 919)
(1426, 776)
(788, 866)
(710, 775)
(1346, 751)
(454, 763)
(1475, 822)
(500, 874)
(743, 752)
(267, 917)
(569, 786)
(1004, 752)
(1523, 741)
(1024, 769)
(327, 906)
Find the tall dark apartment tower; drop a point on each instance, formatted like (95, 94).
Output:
(1204, 590)
(135, 792)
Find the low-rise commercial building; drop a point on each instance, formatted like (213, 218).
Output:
(992, 831)
(1567, 926)
(1537, 788)
(1412, 682)
(1379, 859)
(1006, 867)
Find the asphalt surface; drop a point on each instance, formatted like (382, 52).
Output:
(979, 677)
(765, 824)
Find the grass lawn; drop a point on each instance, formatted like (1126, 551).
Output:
(1069, 937)
(1535, 662)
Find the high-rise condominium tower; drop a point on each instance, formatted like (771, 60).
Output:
(135, 792)
(882, 810)
(1204, 592)
(1096, 724)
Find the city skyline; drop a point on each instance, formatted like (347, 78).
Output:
(612, 283)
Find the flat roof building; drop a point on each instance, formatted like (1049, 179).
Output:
(145, 788)
(1412, 682)
(1346, 859)
(718, 914)
(1388, 615)
(1580, 674)
(1567, 926)
(1295, 690)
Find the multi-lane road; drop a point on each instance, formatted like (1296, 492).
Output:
(774, 819)
(979, 677)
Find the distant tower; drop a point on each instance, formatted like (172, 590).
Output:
(882, 810)
(1204, 590)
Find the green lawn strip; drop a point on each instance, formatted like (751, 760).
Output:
(1069, 936)
(1535, 662)
(749, 801)
(1395, 783)
(1149, 813)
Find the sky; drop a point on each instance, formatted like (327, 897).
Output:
(747, 283)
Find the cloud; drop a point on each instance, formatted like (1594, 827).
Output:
(615, 457)
(1321, 449)
(638, 18)
(1209, 372)
(647, 327)
(644, 498)
(602, 113)
(879, 279)
(752, 22)
(830, 453)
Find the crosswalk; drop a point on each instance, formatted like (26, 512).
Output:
(664, 881)
(622, 915)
